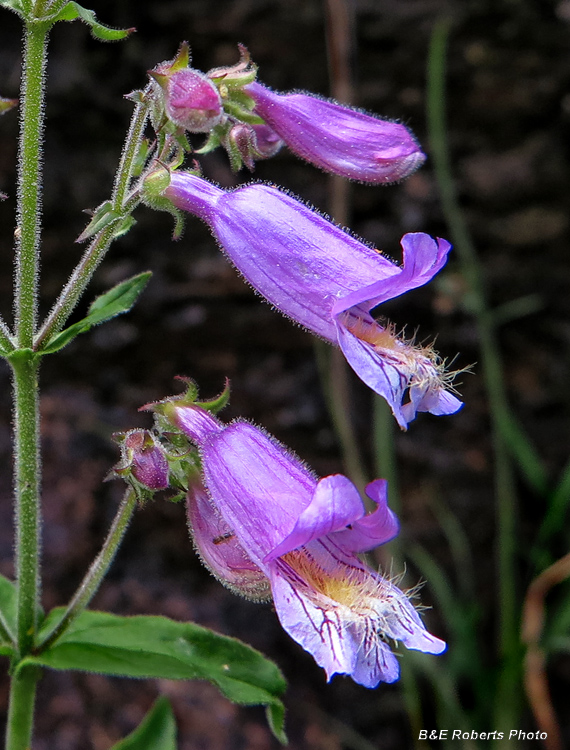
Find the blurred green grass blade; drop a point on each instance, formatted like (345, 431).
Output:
(450, 714)
(516, 442)
(554, 519)
(523, 452)
(459, 546)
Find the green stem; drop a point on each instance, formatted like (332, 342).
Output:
(75, 286)
(27, 482)
(21, 709)
(25, 375)
(385, 461)
(29, 181)
(100, 244)
(97, 571)
(493, 373)
(130, 153)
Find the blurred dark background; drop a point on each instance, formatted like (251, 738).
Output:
(509, 115)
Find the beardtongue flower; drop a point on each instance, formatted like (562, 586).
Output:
(269, 522)
(328, 281)
(339, 139)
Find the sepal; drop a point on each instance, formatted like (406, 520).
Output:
(7, 104)
(154, 184)
(190, 398)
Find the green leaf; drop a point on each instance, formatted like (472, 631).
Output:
(7, 104)
(102, 217)
(157, 731)
(72, 11)
(156, 647)
(118, 300)
(8, 611)
(15, 5)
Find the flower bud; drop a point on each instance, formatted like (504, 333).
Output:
(191, 101)
(144, 459)
(267, 142)
(337, 138)
(245, 143)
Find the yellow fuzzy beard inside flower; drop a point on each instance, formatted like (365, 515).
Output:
(383, 338)
(350, 587)
(425, 368)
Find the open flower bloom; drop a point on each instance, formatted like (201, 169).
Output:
(337, 138)
(328, 281)
(269, 521)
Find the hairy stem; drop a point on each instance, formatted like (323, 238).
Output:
(30, 182)
(100, 244)
(97, 571)
(21, 709)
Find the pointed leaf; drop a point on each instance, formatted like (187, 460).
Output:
(157, 647)
(8, 610)
(15, 5)
(72, 11)
(157, 731)
(102, 217)
(118, 300)
(7, 104)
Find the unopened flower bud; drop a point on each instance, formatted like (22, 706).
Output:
(240, 145)
(191, 101)
(246, 143)
(267, 142)
(337, 138)
(144, 459)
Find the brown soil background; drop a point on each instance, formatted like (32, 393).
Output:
(509, 114)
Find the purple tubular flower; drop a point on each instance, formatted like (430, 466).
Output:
(302, 535)
(337, 138)
(220, 550)
(328, 281)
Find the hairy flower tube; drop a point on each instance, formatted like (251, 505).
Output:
(328, 281)
(337, 138)
(269, 522)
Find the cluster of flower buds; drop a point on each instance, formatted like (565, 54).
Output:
(252, 122)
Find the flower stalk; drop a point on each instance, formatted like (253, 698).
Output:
(97, 571)
(97, 249)
(21, 708)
